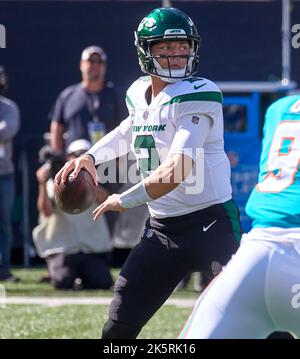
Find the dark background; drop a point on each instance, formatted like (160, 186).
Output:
(240, 41)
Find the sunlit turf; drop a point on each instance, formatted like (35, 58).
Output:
(30, 285)
(76, 321)
(80, 321)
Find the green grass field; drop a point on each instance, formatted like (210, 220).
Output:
(29, 286)
(80, 321)
(75, 321)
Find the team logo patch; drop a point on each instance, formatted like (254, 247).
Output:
(149, 233)
(195, 120)
(145, 115)
(216, 267)
(132, 115)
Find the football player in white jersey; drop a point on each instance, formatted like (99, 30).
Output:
(258, 291)
(175, 128)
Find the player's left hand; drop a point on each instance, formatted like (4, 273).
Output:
(111, 204)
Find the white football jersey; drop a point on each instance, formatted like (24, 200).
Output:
(173, 122)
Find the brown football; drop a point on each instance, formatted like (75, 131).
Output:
(76, 195)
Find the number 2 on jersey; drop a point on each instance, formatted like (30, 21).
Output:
(148, 159)
(283, 159)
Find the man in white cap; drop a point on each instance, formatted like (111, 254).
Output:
(77, 147)
(74, 249)
(88, 109)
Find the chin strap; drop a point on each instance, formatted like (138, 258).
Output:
(172, 75)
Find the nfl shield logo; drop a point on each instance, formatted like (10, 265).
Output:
(195, 120)
(149, 233)
(145, 115)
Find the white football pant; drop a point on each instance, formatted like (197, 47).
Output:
(257, 292)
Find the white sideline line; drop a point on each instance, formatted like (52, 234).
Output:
(58, 301)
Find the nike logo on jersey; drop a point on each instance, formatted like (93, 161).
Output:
(207, 228)
(197, 87)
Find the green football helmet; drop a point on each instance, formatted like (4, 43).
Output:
(166, 24)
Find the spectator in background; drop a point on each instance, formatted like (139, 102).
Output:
(9, 126)
(234, 118)
(75, 250)
(88, 110)
(129, 227)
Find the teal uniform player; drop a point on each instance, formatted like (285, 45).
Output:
(275, 200)
(258, 291)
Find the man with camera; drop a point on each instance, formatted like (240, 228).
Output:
(9, 126)
(75, 251)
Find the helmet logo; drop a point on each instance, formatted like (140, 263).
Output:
(149, 23)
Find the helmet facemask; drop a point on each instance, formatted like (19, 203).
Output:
(155, 28)
(151, 66)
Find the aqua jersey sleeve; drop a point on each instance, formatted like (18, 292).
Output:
(274, 202)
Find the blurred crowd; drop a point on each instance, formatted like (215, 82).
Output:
(78, 251)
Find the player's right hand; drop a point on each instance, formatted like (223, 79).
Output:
(75, 166)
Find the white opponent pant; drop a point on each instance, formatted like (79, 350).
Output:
(256, 293)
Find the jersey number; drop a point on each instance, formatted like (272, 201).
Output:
(283, 159)
(148, 159)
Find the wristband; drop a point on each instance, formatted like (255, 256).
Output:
(91, 156)
(134, 196)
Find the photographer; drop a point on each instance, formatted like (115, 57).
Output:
(52, 163)
(75, 250)
(9, 126)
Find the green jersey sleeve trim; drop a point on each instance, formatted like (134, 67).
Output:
(233, 214)
(128, 101)
(213, 96)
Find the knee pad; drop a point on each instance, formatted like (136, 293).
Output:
(115, 330)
